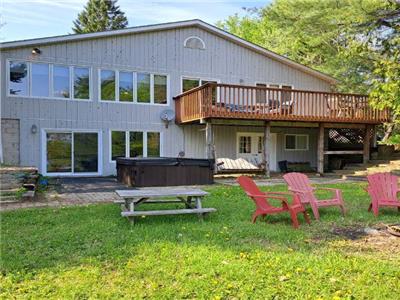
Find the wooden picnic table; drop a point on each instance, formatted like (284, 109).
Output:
(191, 197)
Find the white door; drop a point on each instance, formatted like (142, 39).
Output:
(250, 146)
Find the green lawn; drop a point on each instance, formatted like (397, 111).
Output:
(91, 252)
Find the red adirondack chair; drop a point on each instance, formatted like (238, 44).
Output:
(300, 184)
(383, 189)
(263, 207)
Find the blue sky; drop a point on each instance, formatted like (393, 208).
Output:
(25, 19)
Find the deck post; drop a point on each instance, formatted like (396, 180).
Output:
(210, 151)
(267, 147)
(367, 143)
(320, 150)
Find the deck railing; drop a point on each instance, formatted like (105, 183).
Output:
(214, 100)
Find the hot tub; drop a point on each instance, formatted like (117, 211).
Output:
(164, 171)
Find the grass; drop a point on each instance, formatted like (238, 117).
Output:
(91, 252)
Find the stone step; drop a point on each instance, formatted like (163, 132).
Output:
(9, 199)
(8, 191)
(14, 170)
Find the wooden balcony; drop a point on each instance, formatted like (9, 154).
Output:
(261, 103)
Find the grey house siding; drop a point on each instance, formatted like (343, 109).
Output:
(225, 138)
(153, 52)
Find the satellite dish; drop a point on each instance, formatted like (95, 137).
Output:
(167, 116)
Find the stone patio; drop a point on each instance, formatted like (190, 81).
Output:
(94, 190)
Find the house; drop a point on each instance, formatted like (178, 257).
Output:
(71, 104)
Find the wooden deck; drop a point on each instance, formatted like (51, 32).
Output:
(263, 103)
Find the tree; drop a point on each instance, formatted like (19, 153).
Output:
(100, 15)
(355, 41)
(382, 46)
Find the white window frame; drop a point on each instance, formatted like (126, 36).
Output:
(280, 85)
(116, 84)
(297, 135)
(72, 67)
(134, 72)
(44, 132)
(196, 37)
(52, 81)
(134, 92)
(201, 79)
(51, 65)
(8, 69)
(49, 79)
(268, 84)
(201, 83)
(127, 144)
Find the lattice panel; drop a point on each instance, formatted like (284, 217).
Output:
(347, 137)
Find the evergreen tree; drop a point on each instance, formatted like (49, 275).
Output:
(100, 15)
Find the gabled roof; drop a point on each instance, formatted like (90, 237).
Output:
(165, 26)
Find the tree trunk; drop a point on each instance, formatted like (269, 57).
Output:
(388, 131)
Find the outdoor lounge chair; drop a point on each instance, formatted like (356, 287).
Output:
(263, 207)
(383, 189)
(300, 185)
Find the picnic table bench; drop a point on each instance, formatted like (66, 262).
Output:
(192, 198)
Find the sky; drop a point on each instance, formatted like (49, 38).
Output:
(26, 19)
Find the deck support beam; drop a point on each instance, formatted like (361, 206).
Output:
(320, 149)
(367, 143)
(267, 147)
(210, 149)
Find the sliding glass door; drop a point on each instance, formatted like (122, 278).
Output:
(72, 153)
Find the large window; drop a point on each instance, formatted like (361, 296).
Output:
(143, 88)
(59, 152)
(153, 144)
(261, 94)
(160, 89)
(18, 81)
(81, 83)
(274, 96)
(135, 144)
(118, 144)
(48, 80)
(188, 84)
(85, 152)
(126, 86)
(61, 82)
(296, 142)
(40, 80)
(191, 83)
(107, 85)
(72, 152)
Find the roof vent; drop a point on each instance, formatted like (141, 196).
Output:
(194, 42)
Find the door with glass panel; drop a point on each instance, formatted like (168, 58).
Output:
(72, 153)
(250, 146)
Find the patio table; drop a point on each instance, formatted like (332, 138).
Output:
(191, 197)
